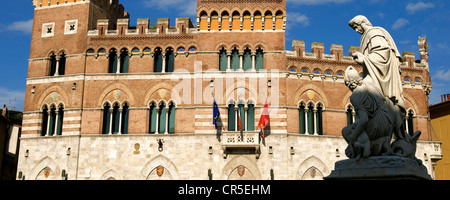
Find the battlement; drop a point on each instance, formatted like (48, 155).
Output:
(105, 5)
(337, 53)
(183, 25)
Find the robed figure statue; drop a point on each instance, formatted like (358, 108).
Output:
(378, 97)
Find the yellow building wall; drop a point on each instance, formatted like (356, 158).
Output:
(441, 127)
(236, 23)
(257, 23)
(268, 23)
(279, 23)
(225, 23)
(214, 23)
(204, 23)
(247, 24)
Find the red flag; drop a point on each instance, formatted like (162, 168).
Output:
(264, 120)
(239, 120)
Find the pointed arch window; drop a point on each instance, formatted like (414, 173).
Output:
(247, 59)
(259, 61)
(106, 119)
(171, 118)
(52, 120)
(125, 115)
(158, 60)
(235, 59)
(231, 117)
(223, 60)
(112, 61)
(302, 118)
(251, 117)
(61, 64)
(409, 122)
(124, 61)
(319, 119)
(170, 60)
(311, 119)
(162, 118)
(52, 65)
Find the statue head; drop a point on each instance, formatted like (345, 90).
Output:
(352, 78)
(360, 24)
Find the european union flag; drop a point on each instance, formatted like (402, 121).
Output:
(216, 113)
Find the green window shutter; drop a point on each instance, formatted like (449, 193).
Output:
(158, 61)
(319, 121)
(170, 61)
(125, 116)
(259, 61)
(301, 118)
(251, 117)
(153, 119)
(112, 62)
(60, 121)
(44, 122)
(162, 119)
(116, 116)
(223, 61)
(247, 61)
(62, 65)
(242, 115)
(231, 118)
(52, 124)
(235, 62)
(310, 121)
(125, 60)
(349, 117)
(106, 120)
(52, 65)
(172, 119)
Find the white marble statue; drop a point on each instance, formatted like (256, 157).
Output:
(377, 97)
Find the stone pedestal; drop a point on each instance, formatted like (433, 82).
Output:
(379, 168)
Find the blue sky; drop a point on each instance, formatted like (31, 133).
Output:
(308, 20)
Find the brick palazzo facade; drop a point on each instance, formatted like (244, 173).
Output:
(108, 101)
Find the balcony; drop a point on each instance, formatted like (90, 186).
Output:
(238, 142)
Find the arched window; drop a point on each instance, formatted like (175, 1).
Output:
(52, 65)
(259, 60)
(302, 118)
(247, 23)
(170, 60)
(112, 61)
(235, 60)
(268, 25)
(236, 24)
(319, 119)
(257, 21)
(124, 61)
(203, 21)
(225, 21)
(311, 119)
(231, 117)
(247, 59)
(153, 118)
(61, 64)
(106, 119)
(162, 118)
(214, 21)
(251, 117)
(115, 118)
(158, 60)
(125, 116)
(59, 119)
(171, 118)
(44, 120)
(223, 60)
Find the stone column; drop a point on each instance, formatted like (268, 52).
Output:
(120, 121)
(306, 121)
(253, 61)
(241, 61)
(118, 64)
(315, 119)
(163, 70)
(111, 111)
(58, 58)
(167, 121)
(157, 120)
(49, 113)
(229, 61)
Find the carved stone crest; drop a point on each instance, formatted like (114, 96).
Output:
(241, 170)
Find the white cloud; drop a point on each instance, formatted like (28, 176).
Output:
(318, 2)
(12, 98)
(442, 75)
(413, 7)
(21, 26)
(400, 23)
(297, 18)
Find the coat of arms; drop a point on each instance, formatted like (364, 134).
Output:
(160, 171)
(46, 172)
(241, 170)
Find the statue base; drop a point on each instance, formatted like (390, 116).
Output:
(380, 168)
